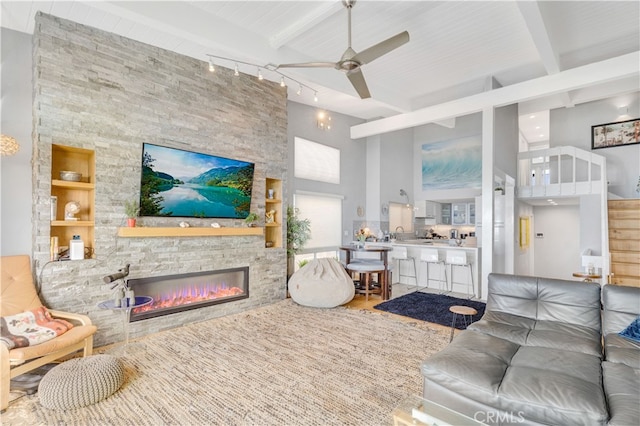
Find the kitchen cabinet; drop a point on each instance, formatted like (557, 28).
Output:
(430, 211)
(445, 214)
(459, 213)
(463, 214)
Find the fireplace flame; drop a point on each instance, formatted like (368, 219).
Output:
(188, 294)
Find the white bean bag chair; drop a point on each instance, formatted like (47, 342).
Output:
(321, 283)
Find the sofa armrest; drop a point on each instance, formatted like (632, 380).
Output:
(82, 319)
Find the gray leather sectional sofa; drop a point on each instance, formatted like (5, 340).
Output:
(536, 356)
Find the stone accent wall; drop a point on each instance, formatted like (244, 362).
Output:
(104, 92)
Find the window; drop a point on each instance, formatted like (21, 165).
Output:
(324, 212)
(315, 161)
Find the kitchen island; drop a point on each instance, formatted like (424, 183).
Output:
(414, 249)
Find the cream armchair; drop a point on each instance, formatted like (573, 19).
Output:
(19, 295)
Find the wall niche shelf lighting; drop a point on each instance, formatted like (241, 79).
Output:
(273, 230)
(81, 161)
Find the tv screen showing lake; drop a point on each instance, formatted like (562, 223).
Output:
(182, 183)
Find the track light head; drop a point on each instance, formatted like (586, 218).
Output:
(212, 68)
(235, 71)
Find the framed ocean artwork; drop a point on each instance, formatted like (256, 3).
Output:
(452, 164)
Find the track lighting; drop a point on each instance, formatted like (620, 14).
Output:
(270, 69)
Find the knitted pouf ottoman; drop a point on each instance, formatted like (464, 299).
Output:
(80, 382)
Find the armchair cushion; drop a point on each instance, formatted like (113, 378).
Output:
(31, 328)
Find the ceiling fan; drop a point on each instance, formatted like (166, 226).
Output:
(351, 61)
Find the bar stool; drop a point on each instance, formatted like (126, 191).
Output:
(431, 257)
(366, 270)
(400, 254)
(458, 259)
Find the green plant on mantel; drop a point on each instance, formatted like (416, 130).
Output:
(298, 231)
(251, 219)
(131, 208)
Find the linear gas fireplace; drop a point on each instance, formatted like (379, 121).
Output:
(181, 292)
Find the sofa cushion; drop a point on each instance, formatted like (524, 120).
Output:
(456, 367)
(621, 350)
(567, 337)
(547, 334)
(621, 305)
(548, 386)
(553, 386)
(513, 328)
(621, 384)
(545, 299)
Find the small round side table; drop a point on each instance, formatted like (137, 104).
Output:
(586, 276)
(126, 313)
(466, 311)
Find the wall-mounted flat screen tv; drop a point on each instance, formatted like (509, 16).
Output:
(179, 183)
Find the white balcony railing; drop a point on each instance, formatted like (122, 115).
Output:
(564, 171)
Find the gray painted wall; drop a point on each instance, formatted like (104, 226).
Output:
(302, 123)
(100, 91)
(15, 180)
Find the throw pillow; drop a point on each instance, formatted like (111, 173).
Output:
(632, 331)
(31, 328)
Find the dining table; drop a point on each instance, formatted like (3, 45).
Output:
(383, 251)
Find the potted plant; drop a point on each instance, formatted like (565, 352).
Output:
(298, 233)
(131, 209)
(251, 219)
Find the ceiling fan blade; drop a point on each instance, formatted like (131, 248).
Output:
(309, 65)
(381, 48)
(357, 80)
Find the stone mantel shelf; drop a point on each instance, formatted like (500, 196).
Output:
(143, 232)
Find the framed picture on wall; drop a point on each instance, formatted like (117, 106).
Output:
(615, 134)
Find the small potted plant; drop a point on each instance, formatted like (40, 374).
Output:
(131, 209)
(251, 219)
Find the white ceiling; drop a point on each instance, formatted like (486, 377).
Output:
(457, 48)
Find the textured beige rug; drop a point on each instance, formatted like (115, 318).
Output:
(282, 364)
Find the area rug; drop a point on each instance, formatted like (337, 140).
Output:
(282, 364)
(430, 307)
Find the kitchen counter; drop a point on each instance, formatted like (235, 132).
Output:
(432, 243)
(414, 248)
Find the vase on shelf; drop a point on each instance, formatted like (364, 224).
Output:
(131, 222)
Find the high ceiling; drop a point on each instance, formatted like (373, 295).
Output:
(457, 48)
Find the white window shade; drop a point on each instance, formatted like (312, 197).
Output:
(315, 161)
(325, 214)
